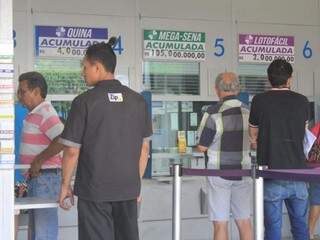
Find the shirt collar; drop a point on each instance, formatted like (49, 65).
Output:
(36, 109)
(105, 83)
(280, 89)
(232, 97)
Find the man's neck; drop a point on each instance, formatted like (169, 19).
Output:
(280, 88)
(107, 76)
(226, 95)
(36, 104)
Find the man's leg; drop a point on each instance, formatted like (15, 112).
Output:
(314, 213)
(241, 202)
(125, 218)
(45, 221)
(219, 194)
(245, 229)
(297, 205)
(220, 230)
(95, 220)
(272, 209)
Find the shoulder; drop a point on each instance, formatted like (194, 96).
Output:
(213, 109)
(47, 110)
(245, 107)
(83, 97)
(133, 95)
(260, 96)
(299, 96)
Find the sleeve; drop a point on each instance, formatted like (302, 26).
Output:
(147, 126)
(72, 135)
(52, 127)
(207, 133)
(254, 113)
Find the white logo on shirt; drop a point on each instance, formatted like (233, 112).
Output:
(115, 97)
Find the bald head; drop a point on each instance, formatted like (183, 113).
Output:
(228, 82)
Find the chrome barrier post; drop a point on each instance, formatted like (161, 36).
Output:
(257, 183)
(176, 197)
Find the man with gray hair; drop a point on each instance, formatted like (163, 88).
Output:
(223, 134)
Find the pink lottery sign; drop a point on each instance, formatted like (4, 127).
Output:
(254, 48)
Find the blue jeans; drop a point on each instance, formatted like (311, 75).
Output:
(295, 196)
(43, 223)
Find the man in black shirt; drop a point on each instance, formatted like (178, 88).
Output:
(277, 124)
(107, 133)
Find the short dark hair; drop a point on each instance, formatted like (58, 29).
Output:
(34, 80)
(279, 71)
(104, 54)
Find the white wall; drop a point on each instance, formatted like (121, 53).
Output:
(223, 19)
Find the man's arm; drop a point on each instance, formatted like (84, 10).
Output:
(253, 136)
(53, 149)
(206, 133)
(144, 156)
(69, 163)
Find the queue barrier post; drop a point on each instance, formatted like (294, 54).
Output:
(257, 184)
(176, 197)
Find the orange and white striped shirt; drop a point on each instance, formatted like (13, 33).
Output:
(40, 127)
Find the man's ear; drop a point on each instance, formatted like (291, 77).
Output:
(289, 82)
(217, 91)
(99, 67)
(37, 91)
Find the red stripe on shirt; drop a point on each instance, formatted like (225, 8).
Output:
(34, 118)
(38, 139)
(49, 123)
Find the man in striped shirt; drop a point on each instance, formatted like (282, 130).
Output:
(40, 148)
(223, 134)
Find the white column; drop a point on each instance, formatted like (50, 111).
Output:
(6, 123)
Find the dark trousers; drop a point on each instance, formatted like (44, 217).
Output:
(107, 220)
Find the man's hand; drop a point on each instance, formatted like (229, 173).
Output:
(202, 149)
(254, 145)
(66, 199)
(35, 167)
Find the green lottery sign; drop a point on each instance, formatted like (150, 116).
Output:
(174, 45)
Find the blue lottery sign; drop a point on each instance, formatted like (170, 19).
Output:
(62, 41)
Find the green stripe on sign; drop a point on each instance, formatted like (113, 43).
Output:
(175, 36)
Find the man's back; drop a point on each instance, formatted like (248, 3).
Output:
(226, 135)
(116, 121)
(281, 116)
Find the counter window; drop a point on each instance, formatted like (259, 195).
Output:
(63, 76)
(172, 77)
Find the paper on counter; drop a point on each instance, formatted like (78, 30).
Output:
(308, 142)
(7, 146)
(191, 136)
(174, 121)
(193, 119)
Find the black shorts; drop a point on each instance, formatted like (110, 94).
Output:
(108, 220)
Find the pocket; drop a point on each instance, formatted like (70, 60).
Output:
(272, 191)
(219, 182)
(301, 190)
